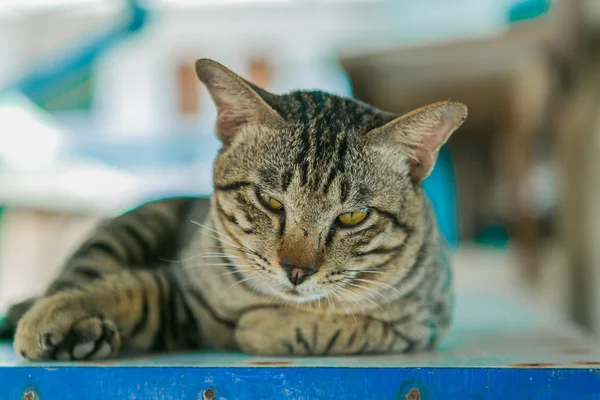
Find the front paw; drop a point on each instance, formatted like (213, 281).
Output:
(286, 332)
(58, 328)
(276, 332)
(257, 332)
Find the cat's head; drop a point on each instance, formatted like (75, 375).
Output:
(320, 196)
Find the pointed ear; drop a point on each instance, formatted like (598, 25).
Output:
(236, 101)
(420, 134)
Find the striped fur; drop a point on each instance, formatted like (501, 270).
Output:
(157, 278)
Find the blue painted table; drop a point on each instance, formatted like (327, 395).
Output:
(498, 349)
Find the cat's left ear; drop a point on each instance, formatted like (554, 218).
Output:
(420, 134)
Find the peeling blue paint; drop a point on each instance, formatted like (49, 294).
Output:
(301, 383)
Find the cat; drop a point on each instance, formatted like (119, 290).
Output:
(319, 241)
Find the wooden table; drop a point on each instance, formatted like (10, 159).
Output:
(503, 346)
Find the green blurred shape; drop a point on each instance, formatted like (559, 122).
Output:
(76, 93)
(492, 235)
(528, 9)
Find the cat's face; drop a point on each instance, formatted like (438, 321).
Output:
(319, 196)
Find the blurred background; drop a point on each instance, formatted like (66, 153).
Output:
(100, 110)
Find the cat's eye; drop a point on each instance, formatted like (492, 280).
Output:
(352, 218)
(269, 202)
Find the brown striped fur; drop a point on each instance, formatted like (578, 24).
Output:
(156, 278)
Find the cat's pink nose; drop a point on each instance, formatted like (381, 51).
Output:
(298, 273)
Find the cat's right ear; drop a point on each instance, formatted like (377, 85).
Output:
(238, 104)
(420, 134)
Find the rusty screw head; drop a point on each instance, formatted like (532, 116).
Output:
(413, 394)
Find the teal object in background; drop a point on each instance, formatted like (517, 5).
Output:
(53, 77)
(493, 235)
(440, 187)
(528, 9)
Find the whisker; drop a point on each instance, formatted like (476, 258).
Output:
(380, 284)
(199, 256)
(361, 297)
(220, 236)
(341, 299)
(213, 254)
(342, 288)
(371, 269)
(192, 267)
(255, 289)
(272, 298)
(236, 271)
(328, 298)
(216, 248)
(216, 265)
(219, 255)
(243, 280)
(235, 246)
(331, 303)
(365, 288)
(210, 229)
(232, 244)
(223, 237)
(219, 265)
(365, 271)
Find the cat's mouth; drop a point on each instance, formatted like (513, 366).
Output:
(296, 295)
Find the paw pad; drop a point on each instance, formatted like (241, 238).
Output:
(89, 338)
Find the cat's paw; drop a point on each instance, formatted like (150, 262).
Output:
(57, 328)
(256, 333)
(277, 332)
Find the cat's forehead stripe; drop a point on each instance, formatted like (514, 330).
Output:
(326, 126)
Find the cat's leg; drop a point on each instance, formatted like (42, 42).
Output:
(420, 322)
(284, 331)
(134, 240)
(144, 310)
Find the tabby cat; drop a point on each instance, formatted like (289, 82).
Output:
(319, 241)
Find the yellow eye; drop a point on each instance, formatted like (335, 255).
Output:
(270, 202)
(352, 218)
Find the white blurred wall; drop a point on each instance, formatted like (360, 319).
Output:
(136, 83)
(10, 48)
